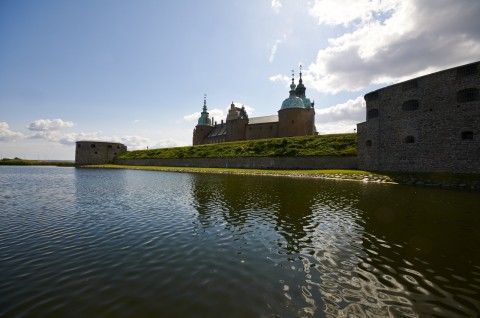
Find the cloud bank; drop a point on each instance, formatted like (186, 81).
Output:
(8, 135)
(387, 41)
(340, 118)
(49, 124)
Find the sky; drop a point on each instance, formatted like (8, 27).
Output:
(137, 72)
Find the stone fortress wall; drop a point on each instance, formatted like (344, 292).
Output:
(97, 152)
(427, 124)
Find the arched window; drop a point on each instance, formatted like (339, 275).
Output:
(372, 113)
(410, 105)
(467, 135)
(409, 140)
(468, 95)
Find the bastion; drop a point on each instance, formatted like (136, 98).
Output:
(97, 152)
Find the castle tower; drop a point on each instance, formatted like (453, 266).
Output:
(237, 121)
(294, 117)
(204, 125)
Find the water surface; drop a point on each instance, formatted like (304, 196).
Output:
(121, 243)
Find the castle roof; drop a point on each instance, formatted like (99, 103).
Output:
(263, 120)
(218, 130)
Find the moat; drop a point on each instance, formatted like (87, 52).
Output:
(124, 243)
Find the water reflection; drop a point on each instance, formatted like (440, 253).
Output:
(138, 243)
(361, 249)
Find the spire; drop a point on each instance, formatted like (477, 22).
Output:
(300, 80)
(292, 86)
(205, 102)
(204, 119)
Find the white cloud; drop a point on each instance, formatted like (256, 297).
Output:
(276, 5)
(49, 124)
(273, 51)
(340, 118)
(7, 135)
(192, 117)
(392, 40)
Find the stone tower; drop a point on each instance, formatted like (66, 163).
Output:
(296, 117)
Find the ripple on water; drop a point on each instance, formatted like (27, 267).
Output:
(135, 243)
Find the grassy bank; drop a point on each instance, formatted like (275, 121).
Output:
(24, 162)
(326, 174)
(324, 145)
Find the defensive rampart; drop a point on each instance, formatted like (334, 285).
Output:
(287, 163)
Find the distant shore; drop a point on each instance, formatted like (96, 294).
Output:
(437, 180)
(25, 162)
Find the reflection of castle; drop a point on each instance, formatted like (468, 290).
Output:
(296, 117)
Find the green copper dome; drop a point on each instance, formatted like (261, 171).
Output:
(292, 101)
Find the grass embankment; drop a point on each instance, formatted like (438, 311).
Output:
(324, 145)
(354, 175)
(25, 162)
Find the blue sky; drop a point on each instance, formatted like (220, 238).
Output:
(136, 71)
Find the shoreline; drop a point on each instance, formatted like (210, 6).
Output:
(464, 182)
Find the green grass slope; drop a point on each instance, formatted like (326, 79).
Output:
(323, 145)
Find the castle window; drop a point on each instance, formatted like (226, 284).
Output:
(410, 105)
(92, 146)
(468, 95)
(412, 84)
(79, 145)
(467, 135)
(293, 122)
(115, 154)
(409, 140)
(109, 146)
(467, 70)
(118, 147)
(368, 143)
(96, 152)
(372, 113)
(371, 96)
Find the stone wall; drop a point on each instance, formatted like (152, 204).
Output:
(97, 152)
(289, 163)
(427, 124)
(262, 131)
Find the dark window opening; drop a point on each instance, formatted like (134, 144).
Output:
(466, 135)
(410, 105)
(109, 146)
(467, 70)
(92, 146)
(115, 154)
(372, 113)
(410, 85)
(368, 143)
(371, 96)
(468, 95)
(96, 152)
(79, 145)
(293, 122)
(409, 140)
(118, 147)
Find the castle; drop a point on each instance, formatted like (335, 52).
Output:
(296, 117)
(426, 124)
